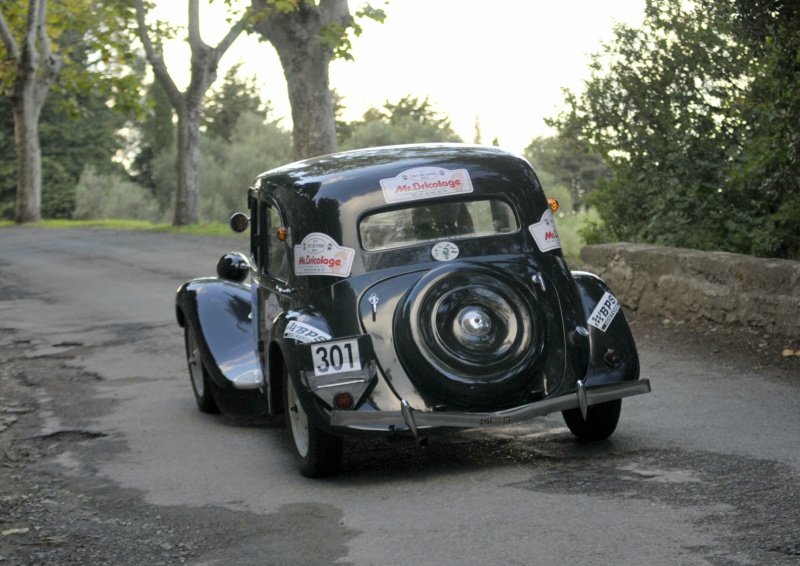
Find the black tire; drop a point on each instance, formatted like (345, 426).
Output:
(199, 375)
(601, 421)
(318, 454)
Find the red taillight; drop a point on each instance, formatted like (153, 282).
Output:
(613, 358)
(343, 401)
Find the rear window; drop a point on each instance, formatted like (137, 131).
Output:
(444, 221)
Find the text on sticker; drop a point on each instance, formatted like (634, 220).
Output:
(604, 312)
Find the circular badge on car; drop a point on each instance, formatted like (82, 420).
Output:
(445, 251)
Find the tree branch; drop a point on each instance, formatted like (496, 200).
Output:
(233, 33)
(155, 58)
(8, 39)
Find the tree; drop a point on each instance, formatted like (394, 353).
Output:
(188, 104)
(661, 108)
(225, 105)
(771, 162)
(307, 35)
(33, 62)
(573, 166)
(37, 68)
(407, 121)
(155, 135)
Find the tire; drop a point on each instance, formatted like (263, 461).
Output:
(601, 421)
(199, 375)
(318, 454)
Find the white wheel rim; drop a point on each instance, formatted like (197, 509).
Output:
(298, 420)
(195, 365)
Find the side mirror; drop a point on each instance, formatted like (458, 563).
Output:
(239, 222)
(233, 266)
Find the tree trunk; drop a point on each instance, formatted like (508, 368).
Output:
(187, 167)
(36, 70)
(29, 153)
(295, 36)
(314, 130)
(188, 105)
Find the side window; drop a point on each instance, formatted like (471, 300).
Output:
(278, 260)
(256, 249)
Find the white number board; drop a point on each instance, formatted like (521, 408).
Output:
(335, 357)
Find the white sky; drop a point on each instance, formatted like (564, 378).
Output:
(505, 64)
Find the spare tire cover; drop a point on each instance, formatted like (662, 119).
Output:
(471, 335)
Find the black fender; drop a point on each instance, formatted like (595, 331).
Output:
(289, 330)
(608, 330)
(220, 312)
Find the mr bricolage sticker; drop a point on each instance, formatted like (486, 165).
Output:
(319, 254)
(425, 182)
(545, 233)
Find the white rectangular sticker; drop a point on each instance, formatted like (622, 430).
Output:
(545, 233)
(319, 254)
(335, 357)
(425, 182)
(604, 312)
(303, 332)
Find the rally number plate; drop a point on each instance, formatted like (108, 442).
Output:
(335, 357)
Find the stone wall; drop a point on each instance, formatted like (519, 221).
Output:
(691, 285)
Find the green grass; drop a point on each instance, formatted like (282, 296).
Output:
(209, 229)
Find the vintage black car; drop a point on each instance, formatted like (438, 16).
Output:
(405, 290)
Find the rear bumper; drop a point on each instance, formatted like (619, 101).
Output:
(413, 419)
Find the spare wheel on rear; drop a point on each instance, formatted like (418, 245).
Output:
(470, 335)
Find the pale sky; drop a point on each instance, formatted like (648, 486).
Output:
(505, 64)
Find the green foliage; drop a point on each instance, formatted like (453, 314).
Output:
(337, 38)
(94, 39)
(770, 170)
(408, 121)
(112, 195)
(573, 166)
(156, 134)
(67, 144)
(670, 107)
(227, 103)
(228, 168)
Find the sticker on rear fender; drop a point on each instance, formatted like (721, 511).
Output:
(335, 357)
(604, 312)
(303, 332)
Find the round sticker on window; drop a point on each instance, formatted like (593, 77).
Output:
(445, 251)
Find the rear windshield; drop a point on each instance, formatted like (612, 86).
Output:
(445, 221)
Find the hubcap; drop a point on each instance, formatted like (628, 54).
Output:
(298, 419)
(472, 327)
(195, 365)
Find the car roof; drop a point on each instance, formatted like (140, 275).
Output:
(357, 174)
(332, 193)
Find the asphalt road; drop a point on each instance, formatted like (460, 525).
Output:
(102, 429)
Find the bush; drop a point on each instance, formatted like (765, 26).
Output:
(112, 196)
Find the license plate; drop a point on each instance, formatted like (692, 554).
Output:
(335, 357)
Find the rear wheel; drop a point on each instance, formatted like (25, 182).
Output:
(318, 453)
(197, 371)
(600, 423)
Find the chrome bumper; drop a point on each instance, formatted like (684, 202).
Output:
(583, 398)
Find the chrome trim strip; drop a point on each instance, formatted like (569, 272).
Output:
(419, 419)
